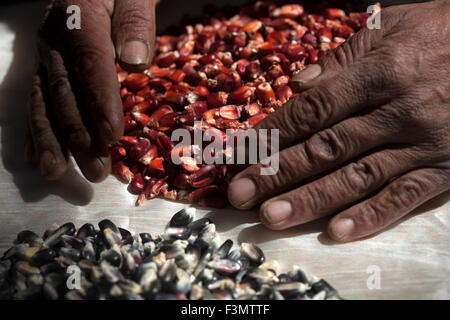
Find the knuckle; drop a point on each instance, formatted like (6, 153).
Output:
(326, 146)
(75, 135)
(360, 177)
(87, 59)
(35, 94)
(312, 111)
(42, 136)
(266, 184)
(391, 70)
(373, 215)
(406, 192)
(134, 19)
(343, 55)
(59, 85)
(312, 201)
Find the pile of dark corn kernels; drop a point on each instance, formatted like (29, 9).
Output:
(225, 73)
(186, 261)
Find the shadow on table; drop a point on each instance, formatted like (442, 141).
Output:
(228, 219)
(23, 21)
(432, 204)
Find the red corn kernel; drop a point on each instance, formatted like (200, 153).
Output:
(160, 112)
(333, 13)
(255, 119)
(281, 81)
(138, 150)
(210, 116)
(129, 124)
(161, 85)
(189, 164)
(122, 172)
(241, 95)
(166, 59)
(175, 98)
(265, 92)
(137, 184)
(325, 35)
(295, 52)
(181, 181)
(274, 72)
(156, 166)
(201, 193)
(208, 59)
(136, 81)
(165, 144)
(167, 121)
(231, 112)
(151, 154)
(129, 141)
(217, 99)
(117, 153)
(177, 76)
(141, 118)
(197, 108)
(284, 93)
(203, 177)
(201, 91)
(291, 11)
(130, 101)
(252, 109)
(252, 26)
(145, 106)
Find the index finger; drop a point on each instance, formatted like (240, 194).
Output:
(92, 58)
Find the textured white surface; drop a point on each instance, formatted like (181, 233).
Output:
(413, 256)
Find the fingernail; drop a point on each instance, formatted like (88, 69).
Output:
(343, 228)
(242, 191)
(134, 53)
(278, 211)
(47, 163)
(310, 73)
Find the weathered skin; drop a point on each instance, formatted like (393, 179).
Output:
(378, 109)
(75, 103)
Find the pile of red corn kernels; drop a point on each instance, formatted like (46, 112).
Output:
(228, 74)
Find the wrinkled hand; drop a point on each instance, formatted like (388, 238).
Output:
(368, 138)
(75, 103)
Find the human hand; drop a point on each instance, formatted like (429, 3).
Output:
(368, 138)
(75, 103)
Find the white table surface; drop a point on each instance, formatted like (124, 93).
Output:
(413, 256)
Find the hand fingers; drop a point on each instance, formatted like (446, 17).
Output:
(346, 54)
(396, 200)
(90, 52)
(64, 102)
(51, 158)
(363, 85)
(325, 150)
(93, 166)
(133, 28)
(335, 191)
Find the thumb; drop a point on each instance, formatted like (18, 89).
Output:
(344, 55)
(133, 32)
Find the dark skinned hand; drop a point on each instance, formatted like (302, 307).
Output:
(75, 104)
(368, 138)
